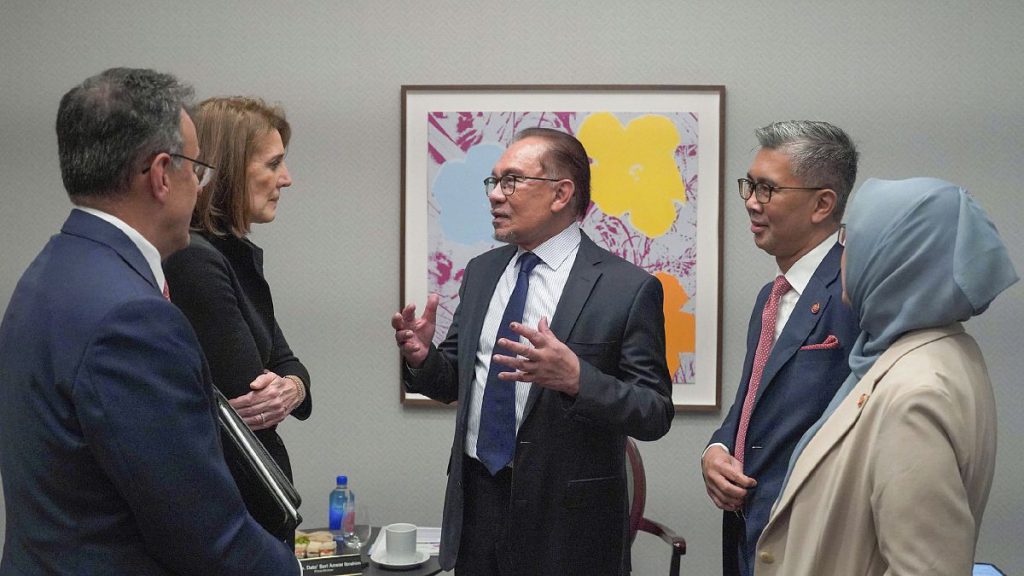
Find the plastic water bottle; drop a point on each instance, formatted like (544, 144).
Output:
(340, 505)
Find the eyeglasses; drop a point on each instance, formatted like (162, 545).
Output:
(763, 191)
(842, 235)
(202, 170)
(508, 183)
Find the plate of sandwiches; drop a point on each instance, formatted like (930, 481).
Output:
(315, 544)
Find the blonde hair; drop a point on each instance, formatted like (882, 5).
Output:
(228, 129)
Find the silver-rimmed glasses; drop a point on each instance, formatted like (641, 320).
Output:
(202, 170)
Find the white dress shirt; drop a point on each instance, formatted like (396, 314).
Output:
(798, 275)
(547, 281)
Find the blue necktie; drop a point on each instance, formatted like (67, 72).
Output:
(495, 443)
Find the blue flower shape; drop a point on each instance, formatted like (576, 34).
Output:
(459, 191)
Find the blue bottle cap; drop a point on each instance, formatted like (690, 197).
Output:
(342, 480)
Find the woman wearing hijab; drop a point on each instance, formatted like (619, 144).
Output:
(895, 476)
(218, 281)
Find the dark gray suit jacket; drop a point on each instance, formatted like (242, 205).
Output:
(569, 509)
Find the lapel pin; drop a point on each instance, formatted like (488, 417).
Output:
(815, 308)
(860, 401)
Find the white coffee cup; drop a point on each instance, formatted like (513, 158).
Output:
(400, 542)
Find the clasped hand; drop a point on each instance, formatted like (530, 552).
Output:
(724, 479)
(270, 400)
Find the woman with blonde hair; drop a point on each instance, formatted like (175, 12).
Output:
(218, 280)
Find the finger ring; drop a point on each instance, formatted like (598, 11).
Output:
(262, 419)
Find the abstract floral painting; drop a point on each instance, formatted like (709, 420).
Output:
(647, 186)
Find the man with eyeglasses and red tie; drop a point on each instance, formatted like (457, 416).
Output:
(555, 354)
(800, 333)
(109, 446)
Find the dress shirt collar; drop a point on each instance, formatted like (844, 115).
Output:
(149, 252)
(800, 273)
(555, 250)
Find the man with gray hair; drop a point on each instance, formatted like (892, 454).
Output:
(800, 333)
(109, 447)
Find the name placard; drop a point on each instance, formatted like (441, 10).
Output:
(342, 564)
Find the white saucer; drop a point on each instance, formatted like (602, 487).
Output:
(381, 558)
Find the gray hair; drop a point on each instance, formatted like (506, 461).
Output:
(820, 155)
(111, 121)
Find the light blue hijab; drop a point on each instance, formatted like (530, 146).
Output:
(920, 253)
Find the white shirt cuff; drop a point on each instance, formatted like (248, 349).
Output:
(704, 453)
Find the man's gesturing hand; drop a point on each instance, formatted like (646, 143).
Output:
(545, 361)
(413, 335)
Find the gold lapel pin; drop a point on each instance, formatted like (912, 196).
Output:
(815, 308)
(860, 401)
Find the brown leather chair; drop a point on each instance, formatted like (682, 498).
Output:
(637, 485)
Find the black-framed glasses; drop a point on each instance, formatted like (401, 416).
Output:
(203, 171)
(842, 235)
(763, 191)
(508, 183)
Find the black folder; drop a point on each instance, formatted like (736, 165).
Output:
(246, 457)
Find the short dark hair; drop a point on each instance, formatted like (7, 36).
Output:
(820, 154)
(567, 158)
(110, 121)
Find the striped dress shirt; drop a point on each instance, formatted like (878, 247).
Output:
(547, 281)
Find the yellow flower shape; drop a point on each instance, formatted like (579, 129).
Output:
(634, 169)
(680, 327)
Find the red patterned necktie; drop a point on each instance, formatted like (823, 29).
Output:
(764, 348)
(167, 293)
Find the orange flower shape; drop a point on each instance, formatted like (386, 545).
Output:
(680, 327)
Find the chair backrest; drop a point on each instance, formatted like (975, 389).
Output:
(636, 486)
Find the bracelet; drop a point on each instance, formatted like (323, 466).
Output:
(300, 388)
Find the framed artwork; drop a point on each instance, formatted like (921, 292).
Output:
(656, 198)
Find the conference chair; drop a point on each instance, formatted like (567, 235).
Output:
(636, 481)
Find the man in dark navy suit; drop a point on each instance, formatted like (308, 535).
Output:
(109, 448)
(800, 332)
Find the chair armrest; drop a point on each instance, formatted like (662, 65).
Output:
(678, 543)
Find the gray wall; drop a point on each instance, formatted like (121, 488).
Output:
(926, 88)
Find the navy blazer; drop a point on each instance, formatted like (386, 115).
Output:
(569, 503)
(109, 444)
(796, 386)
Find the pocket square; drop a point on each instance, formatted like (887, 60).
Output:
(830, 343)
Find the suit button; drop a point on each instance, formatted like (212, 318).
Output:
(767, 557)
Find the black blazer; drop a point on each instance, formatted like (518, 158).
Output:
(569, 509)
(218, 283)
